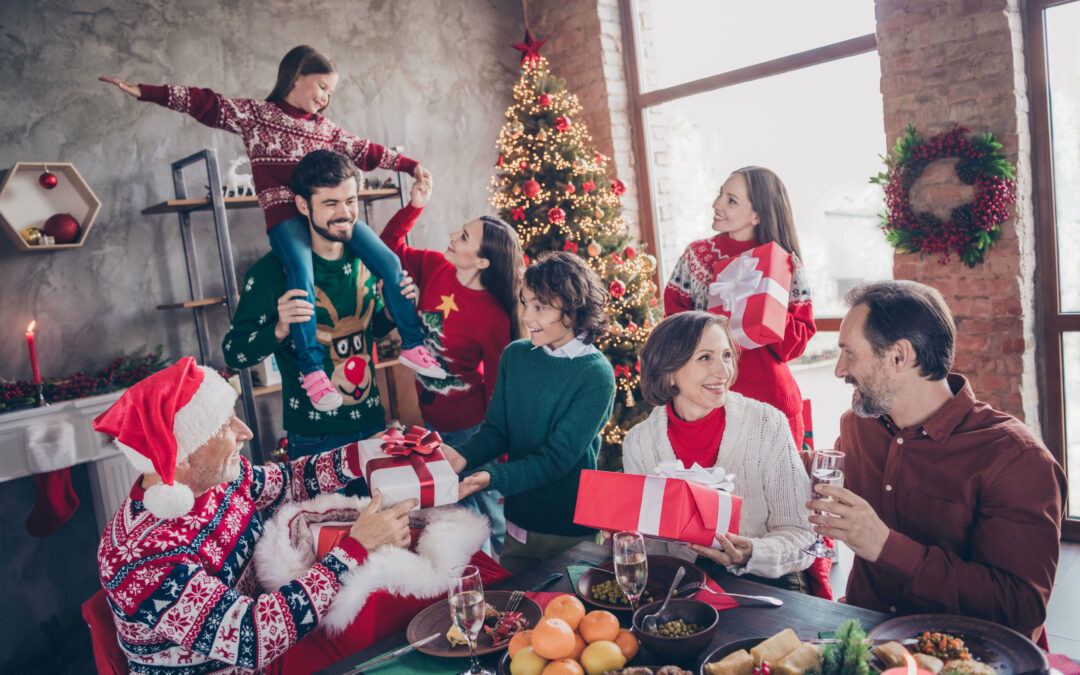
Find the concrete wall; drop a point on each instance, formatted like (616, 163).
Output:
(432, 75)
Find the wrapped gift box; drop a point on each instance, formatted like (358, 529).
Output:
(325, 536)
(752, 290)
(409, 466)
(658, 506)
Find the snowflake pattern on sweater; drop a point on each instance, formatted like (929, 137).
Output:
(183, 592)
(276, 137)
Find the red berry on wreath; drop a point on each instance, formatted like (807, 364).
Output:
(48, 180)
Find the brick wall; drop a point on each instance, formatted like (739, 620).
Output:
(585, 48)
(947, 62)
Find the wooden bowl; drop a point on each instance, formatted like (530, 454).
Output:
(679, 649)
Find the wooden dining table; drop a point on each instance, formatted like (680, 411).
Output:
(806, 615)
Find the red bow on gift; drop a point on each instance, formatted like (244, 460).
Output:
(417, 439)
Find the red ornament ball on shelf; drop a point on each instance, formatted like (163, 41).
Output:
(48, 180)
(562, 123)
(629, 252)
(63, 228)
(531, 188)
(617, 289)
(556, 215)
(544, 100)
(618, 187)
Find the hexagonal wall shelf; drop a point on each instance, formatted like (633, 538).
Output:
(24, 203)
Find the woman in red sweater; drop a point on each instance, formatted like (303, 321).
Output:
(468, 308)
(753, 209)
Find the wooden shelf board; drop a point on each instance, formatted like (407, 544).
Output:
(205, 302)
(273, 389)
(188, 205)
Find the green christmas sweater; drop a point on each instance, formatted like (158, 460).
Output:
(349, 313)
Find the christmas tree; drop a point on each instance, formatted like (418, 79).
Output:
(553, 187)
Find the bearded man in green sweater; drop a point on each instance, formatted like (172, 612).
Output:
(553, 396)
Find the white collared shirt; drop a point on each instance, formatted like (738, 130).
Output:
(572, 349)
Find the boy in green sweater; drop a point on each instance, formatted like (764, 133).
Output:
(552, 398)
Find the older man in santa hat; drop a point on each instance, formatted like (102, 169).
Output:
(174, 559)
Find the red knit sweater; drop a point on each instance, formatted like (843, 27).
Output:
(276, 137)
(763, 372)
(466, 330)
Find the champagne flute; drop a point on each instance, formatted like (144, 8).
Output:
(467, 610)
(631, 565)
(828, 469)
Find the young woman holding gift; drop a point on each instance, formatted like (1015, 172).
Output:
(687, 367)
(752, 210)
(553, 395)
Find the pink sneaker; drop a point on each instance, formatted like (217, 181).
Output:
(420, 359)
(321, 392)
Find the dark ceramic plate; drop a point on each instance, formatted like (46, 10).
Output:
(730, 648)
(436, 619)
(662, 570)
(1001, 648)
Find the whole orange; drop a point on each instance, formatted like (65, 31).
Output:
(579, 646)
(628, 643)
(568, 608)
(598, 624)
(553, 639)
(519, 640)
(563, 667)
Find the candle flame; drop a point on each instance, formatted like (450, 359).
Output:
(30, 328)
(910, 661)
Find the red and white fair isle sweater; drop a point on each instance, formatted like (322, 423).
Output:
(763, 372)
(183, 591)
(276, 136)
(466, 330)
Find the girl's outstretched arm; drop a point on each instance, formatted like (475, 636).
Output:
(126, 87)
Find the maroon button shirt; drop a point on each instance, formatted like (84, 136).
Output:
(975, 503)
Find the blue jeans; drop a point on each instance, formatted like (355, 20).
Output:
(486, 502)
(290, 241)
(303, 446)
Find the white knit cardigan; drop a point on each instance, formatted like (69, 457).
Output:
(769, 476)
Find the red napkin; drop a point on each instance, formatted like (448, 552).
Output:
(542, 598)
(720, 602)
(1063, 663)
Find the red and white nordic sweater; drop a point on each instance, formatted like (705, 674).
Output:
(467, 331)
(183, 591)
(763, 372)
(276, 137)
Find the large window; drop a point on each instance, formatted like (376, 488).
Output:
(721, 84)
(1053, 56)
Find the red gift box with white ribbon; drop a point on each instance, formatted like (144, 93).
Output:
(657, 506)
(752, 289)
(409, 465)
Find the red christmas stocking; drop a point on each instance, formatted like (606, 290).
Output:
(55, 504)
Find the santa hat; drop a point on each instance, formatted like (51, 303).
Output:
(164, 418)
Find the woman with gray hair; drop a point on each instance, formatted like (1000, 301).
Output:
(687, 367)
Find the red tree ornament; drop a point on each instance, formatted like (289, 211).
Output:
(63, 228)
(562, 124)
(500, 163)
(544, 100)
(570, 189)
(556, 215)
(531, 188)
(523, 165)
(617, 289)
(48, 180)
(618, 187)
(530, 49)
(629, 252)
(631, 327)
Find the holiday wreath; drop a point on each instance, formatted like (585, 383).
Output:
(971, 229)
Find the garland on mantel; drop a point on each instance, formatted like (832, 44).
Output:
(124, 371)
(971, 229)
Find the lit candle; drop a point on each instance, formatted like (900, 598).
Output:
(33, 352)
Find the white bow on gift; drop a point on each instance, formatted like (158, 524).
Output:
(715, 477)
(738, 281)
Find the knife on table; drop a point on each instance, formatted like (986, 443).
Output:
(545, 583)
(392, 655)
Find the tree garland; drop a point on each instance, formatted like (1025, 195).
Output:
(971, 229)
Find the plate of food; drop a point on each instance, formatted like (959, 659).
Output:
(948, 643)
(499, 626)
(599, 588)
(783, 653)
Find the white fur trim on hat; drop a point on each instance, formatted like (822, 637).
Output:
(169, 501)
(204, 415)
(138, 460)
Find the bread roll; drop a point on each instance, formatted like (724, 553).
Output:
(776, 647)
(931, 663)
(891, 654)
(797, 662)
(735, 663)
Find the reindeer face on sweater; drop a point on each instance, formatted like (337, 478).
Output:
(346, 340)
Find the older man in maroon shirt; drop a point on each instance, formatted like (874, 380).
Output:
(951, 506)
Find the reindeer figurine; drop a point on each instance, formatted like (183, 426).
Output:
(348, 344)
(238, 184)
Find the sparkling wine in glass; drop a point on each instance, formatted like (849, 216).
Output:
(828, 469)
(631, 565)
(467, 607)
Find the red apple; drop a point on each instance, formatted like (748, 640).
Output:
(63, 228)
